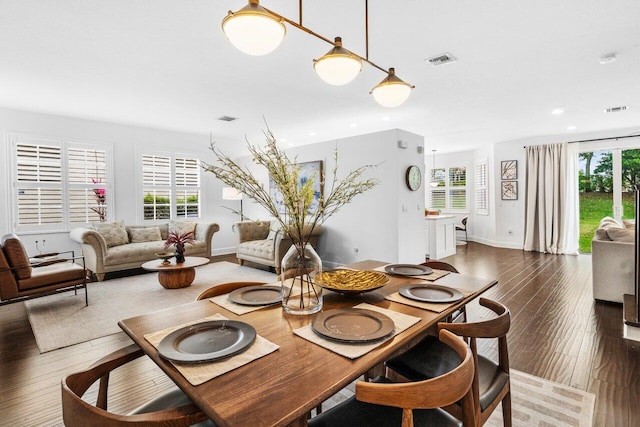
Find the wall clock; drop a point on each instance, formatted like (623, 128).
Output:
(413, 177)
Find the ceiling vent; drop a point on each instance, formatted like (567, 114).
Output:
(616, 109)
(227, 118)
(445, 58)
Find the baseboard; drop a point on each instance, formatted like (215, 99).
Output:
(495, 243)
(223, 251)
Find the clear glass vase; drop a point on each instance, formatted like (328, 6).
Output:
(299, 267)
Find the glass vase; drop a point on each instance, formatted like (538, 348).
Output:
(299, 267)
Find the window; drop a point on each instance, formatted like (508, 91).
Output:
(58, 184)
(482, 189)
(451, 192)
(170, 186)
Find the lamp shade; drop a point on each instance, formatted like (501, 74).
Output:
(338, 66)
(392, 91)
(254, 30)
(229, 193)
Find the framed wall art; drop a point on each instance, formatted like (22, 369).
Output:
(509, 190)
(307, 170)
(509, 169)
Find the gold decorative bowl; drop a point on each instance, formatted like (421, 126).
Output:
(165, 257)
(352, 281)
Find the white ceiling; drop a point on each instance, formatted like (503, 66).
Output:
(167, 64)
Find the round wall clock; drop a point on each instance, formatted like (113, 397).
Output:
(413, 177)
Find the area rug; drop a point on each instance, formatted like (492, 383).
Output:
(535, 402)
(62, 320)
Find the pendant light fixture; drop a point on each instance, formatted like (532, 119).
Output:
(256, 30)
(391, 91)
(434, 182)
(338, 66)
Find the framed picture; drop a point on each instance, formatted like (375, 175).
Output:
(509, 169)
(509, 190)
(307, 170)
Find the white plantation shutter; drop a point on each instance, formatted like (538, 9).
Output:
(482, 189)
(156, 187)
(51, 182)
(458, 188)
(451, 192)
(187, 188)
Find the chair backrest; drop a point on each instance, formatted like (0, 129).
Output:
(464, 221)
(440, 265)
(16, 256)
(437, 392)
(78, 412)
(225, 288)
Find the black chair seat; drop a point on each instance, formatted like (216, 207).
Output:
(171, 399)
(353, 413)
(431, 358)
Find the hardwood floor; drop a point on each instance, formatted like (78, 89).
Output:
(558, 332)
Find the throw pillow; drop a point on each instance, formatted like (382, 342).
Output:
(622, 234)
(144, 234)
(17, 256)
(629, 223)
(114, 233)
(182, 226)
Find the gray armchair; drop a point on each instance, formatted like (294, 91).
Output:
(263, 242)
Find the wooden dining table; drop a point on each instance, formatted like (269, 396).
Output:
(282, 387)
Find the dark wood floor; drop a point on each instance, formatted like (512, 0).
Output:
(558, 333)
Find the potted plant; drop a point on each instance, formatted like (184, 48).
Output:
(300, 293)
(179, 239)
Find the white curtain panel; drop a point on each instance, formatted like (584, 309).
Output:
(551, 199)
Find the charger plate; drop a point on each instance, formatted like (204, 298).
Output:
(207, 341)
(408, 269)
(352, 325)
(427, 292)
(256, 295)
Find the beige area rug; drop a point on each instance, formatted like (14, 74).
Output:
(535, 402)
(62, 320)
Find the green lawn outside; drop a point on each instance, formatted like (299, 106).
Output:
(594, 207)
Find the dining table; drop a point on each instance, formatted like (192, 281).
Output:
(283, 386)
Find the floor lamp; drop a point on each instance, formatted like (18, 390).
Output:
(230, 193)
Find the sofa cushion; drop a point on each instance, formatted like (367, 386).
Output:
(145, 251)
(182, 226)
(144, 234)
(629, 223)
(605, 224)
(622, 234)
(16, 256)
(51, 275)
(114, 233)
(256, 249)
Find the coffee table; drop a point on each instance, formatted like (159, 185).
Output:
(175, 276)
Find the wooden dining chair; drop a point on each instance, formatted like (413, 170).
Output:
(491, 385)
(173, 408)
(225, 288)
(383, 403)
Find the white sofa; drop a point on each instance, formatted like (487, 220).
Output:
(109, 251)
(613, 260)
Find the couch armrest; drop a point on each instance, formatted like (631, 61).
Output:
(205, 231)
(252, 230)
(90, 237)
(612, 266)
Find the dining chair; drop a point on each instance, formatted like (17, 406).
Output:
(384, 403)
(173, 408)
(491, 385)
(459, 315)
(463, 227)
(225, 288)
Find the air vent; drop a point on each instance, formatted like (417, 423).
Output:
(445, 58)
(616, 109)
(227, 118)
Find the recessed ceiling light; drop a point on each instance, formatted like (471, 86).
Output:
(571, 127)
(291, 144)
(283, 139)
(385, 118)
(557, 111)
(608, 58)
(353, 125)
(312, 133)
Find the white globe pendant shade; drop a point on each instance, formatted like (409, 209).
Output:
(392, 91)
(253, 30)
(338, 66)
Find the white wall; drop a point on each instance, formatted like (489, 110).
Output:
(125, 140)
(374, 225)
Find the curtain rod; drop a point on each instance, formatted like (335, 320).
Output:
(600, 139)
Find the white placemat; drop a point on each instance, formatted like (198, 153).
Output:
(198, 373)
(353, 351)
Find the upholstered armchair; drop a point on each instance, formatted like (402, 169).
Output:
(264, 242)
(21, 278)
